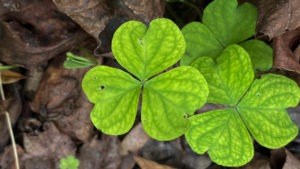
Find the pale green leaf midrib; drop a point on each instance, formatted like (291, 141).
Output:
(226, 125)
(167, 117)
(165, 98)
(127, 56)
(225, 88)
(114, 110)
(148, 61)
(216, 37)
(273, 123)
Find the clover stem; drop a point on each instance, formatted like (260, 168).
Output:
(9, 125)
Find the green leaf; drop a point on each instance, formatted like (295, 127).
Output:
(229, 22)
(263, 110)
(261, 54)
(229, 77)
(6, 67)
(223, 134)
(144, 51)
(169, 99)
(115, 94)
(69, 162)
(74, 61)
(200, 41)
(224, 23)
(257, 105)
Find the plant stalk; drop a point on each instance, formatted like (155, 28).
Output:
(9, 125)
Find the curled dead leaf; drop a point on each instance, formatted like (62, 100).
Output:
(103, 153)
(97, 16)
(148, 164)
(283, 159)
(287, 51)
(13, 105)
(134, 140)
(276, 17)
(9, 77)
(31, 38)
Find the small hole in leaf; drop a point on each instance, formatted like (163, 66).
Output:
(185, 116)
(257, 94)
(95, 78)
(101, 87)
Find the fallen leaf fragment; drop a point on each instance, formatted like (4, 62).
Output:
(286, 53)
(7, 157)
(257, 164)
(291, 162)
(13, 105)
(276, 17)
(32, 38)
(51, 144)
(148, 164)
(9, 77)
(283, 159)
(103, 153)
(134, 140)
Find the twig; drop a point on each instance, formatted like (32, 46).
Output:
(11, 133)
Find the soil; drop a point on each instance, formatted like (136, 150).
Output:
(49, 112)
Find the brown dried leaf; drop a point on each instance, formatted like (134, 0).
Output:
(7, 160)
(257, 164)
(127, 162)
(291, 161)
(77, 124)
(100, 154)
(8, 77)
(13, 105)
(283, 159)
(196, 161)
(168, 152)
(286, 51)
(32, 38)
(60, 98)
(134, 140)
(278, 157)
(97, 16)
(148, 164)
(91, 15)
(276, 17)
(51, 143)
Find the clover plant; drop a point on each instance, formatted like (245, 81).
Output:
(220, 72)
(225, 23)
(69, 162)
(168, 98)
(254, 107)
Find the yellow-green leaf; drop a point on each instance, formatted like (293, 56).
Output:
(115, 94)
(144, 51)
(223, 134)
(169, 99)
(263, 110)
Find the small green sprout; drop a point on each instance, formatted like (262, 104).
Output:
(74, 61)
(69, 162)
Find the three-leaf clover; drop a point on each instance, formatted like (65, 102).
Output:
(225, 23)
(167, 98)
(253, 105)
